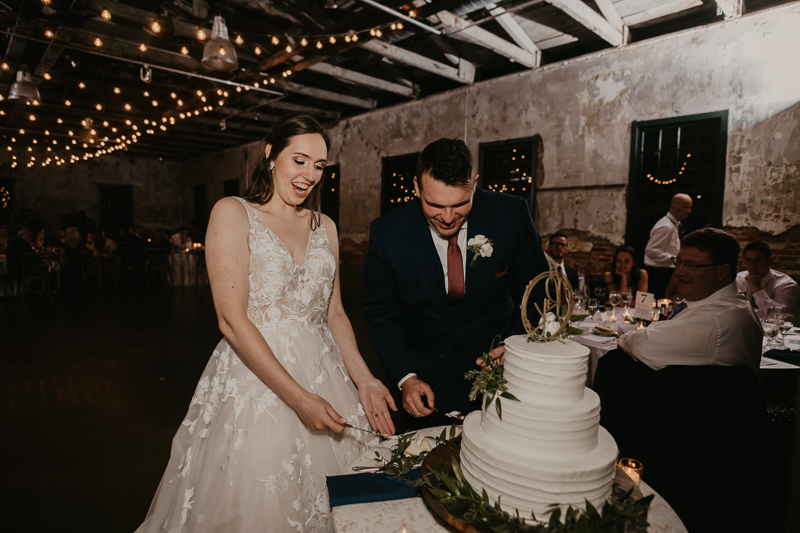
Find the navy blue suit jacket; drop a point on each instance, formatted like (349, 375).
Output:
(412, 323)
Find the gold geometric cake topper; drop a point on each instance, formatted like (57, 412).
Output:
(562, 288)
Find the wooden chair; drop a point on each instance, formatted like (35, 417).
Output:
(34, 268)
(157, 264)
(201, 269)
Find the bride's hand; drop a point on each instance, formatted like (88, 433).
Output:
(316, 413)
(376, 401)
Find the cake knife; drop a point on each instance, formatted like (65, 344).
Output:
(376, 433)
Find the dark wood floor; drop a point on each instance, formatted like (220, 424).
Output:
(92, 393)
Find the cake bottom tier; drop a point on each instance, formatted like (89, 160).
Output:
(530, 484)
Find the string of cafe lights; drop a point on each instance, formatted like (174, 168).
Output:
(152, 126)
(673, 180)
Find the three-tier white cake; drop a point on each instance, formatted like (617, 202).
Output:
(549, 447)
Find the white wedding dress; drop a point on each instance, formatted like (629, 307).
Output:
(242, 460)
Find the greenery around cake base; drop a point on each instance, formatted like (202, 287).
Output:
(620, 513)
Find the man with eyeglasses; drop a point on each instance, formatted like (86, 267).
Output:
(558, 248)
(764, 287)
(714, 325)
(664, 243)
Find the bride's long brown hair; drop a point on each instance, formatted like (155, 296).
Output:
(279, 136)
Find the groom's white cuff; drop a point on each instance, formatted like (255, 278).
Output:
(400, 383)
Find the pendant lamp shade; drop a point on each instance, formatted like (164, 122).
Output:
(24, 89)
(219, 53)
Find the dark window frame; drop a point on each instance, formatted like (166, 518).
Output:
(386, 205)
(534, 163)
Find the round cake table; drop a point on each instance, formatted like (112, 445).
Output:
(413, 514)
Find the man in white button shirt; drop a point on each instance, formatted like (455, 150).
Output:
(664, 243)
(764, 287)
(717, 326)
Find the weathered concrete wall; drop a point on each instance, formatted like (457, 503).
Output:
(583, 110)
(53, 191)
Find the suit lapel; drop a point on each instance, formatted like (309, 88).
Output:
(428, 262)
(474, 274)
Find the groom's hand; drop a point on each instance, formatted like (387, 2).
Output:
(413, 391)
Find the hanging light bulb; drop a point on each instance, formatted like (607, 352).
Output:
(219, 53)
(98, 43)
(156, 27)
(142, 48)
(47, 76)
(275, 41)
(399, 25)
(81, 85)
(67, 103)
(48, 34)
(185, 51)
(201, 35)
(23, 89)
(127, 107)
(117, 90)
(239, 40)
(257, 51)
(332, 39)
(319, 44)
(288, 48)
(304, 41)
(106, 14)
(355, 37)
(99, 107)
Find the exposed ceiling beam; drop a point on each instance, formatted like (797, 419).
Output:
(509, 23)
(731, 8)
(465, 73)
(609, 11)
(53, 52)
(466, 31)
(322, 94)
(363, 79)
(14, 51)
(591, 19)
(253, 102)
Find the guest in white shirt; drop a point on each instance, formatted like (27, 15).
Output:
(557, 249)
(716, 326)
(764, 287)
(664, 243)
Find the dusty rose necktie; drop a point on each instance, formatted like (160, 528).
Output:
(455, 269)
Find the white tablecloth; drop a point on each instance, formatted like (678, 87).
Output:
(412, 513)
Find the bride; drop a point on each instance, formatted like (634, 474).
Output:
(264, 427)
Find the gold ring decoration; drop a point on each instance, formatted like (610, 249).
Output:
(560, 284)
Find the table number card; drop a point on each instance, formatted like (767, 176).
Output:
(644, 306)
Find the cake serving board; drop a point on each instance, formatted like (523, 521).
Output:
(440, 457)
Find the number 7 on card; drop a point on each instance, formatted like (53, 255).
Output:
(644, 305)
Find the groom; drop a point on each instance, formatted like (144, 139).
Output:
(444, 275)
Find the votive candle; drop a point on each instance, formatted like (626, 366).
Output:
(632, 468)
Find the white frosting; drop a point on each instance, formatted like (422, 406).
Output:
(548, 448)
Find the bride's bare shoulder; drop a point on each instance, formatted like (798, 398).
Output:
(228, 212)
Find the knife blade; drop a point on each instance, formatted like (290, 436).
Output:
(376, 433)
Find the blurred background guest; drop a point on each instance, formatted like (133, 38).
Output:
(763, 286)
(72, 273)
(182, 240)
(42, 240)
(626, 273)
(558, 248)
(665, 242)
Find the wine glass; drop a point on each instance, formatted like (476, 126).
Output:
(614, 299)
(771, 328)
(600, 294)
(775, 309)
(592, 306)
(784, 321)
(579, 300)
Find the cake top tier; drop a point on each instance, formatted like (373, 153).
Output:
(552, 373)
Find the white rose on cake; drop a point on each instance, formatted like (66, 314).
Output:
(551, 324)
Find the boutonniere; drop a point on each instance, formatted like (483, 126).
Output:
(480, 246)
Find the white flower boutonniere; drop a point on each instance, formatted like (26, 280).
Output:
(480, 246)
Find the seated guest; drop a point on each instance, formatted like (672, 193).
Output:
(558, 248)
(714, 325)
(763, 286)
(627, 274)
(42, 240)
(72, 273)
(181, 239)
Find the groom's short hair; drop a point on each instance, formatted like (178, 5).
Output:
(448, 161)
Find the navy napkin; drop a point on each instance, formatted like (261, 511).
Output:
(369, 487)
(786, 356)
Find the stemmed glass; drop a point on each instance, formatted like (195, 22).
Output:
(771, 328)
(614, 299)
(600, 294)
(592, 306)
(784, 321)
(579, 300)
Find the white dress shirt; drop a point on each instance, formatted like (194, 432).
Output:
(719, 330)
(440, 243)
(776, 288)
(664, 243)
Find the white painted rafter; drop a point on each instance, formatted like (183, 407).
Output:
(465, 73)
(466, 31)
(509, 23)
(322, 94)
(591, 19)
(362, 79)
(731, 8)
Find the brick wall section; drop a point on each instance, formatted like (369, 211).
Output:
(592, 255)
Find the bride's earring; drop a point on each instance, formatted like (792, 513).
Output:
(272, 166)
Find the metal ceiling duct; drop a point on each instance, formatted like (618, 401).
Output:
(219, 53)
(24, 89)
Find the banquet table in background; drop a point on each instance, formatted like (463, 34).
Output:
(413, 514)
(183, 269)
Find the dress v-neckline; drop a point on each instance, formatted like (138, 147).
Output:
(308, 243)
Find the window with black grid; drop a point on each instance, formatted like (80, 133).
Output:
(678, 155)
(510, 167)
(397, 181)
